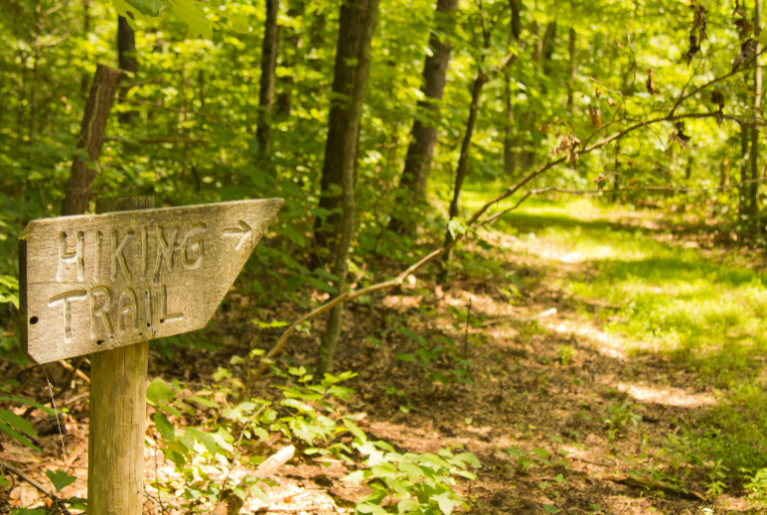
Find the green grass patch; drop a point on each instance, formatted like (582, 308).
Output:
(707, 315)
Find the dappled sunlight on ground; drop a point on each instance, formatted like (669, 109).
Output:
(668, 397)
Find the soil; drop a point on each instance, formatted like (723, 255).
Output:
(544, 379)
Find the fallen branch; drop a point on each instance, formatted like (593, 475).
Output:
(345, 297)
(30, 480)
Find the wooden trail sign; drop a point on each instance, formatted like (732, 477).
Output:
(95, 282)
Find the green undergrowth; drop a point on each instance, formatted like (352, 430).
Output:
(703, 312)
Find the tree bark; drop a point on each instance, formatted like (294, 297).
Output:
(358, 18)
(284, 103)
(126, 58)
(423, 137)
(510, 140)
(270, 49)
(754, 157)
(357, 24)
(573, 50)
(463, 165)
(100, 101)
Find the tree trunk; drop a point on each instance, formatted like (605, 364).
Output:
(100, 101)
(745, 175)
(356, 26)
(754, 157)
(284, 103)
(423, 137)
(463, 165)
(510, 140)
(573, 70)
(126, 57)
(270, 49)
(35, 75)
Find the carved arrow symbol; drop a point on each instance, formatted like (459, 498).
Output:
(243, 231)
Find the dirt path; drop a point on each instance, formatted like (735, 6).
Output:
(562, 416)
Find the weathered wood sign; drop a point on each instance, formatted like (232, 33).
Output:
(96, 282)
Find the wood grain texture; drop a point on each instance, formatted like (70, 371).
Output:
(118, 413)
(96, 282)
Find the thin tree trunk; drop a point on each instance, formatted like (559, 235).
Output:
(356, 26)
(463, 164)
(423, 137)
(745, 175)
(85, 78)
(284, 103)
(270, 49)
(573, 50)
(35, 75)
(100, 101)
(754, 157)
(510, 139)
(126, 57)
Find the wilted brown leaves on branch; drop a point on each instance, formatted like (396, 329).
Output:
(747, 50)
(651, 89)
(567, 144)
(698, 32)
(745, 28)
(717, 98)
(679, 135)
(596, 116)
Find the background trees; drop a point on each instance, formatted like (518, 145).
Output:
(193, 120)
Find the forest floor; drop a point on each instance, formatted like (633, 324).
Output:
(616, 366)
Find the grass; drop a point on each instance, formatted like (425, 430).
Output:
(707, 314)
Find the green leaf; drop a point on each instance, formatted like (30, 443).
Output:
(446, 504)
(148, 7)
(26, 511)
(470, 459)
(159, 390)
(46, 409)
(407, 357)
(60, 479)
(455, 227)
(239, 25)
(16, 436)
(367, 507)
(222, 373)
(358, 476)
(188, 12)
(3, 481)
(204, 402)
(175, 457)
(327, 275)
(17, 422)
(300, 406)
(164, 427)
(550, 508)
(204, 438)
(321, 285)
(259, 494)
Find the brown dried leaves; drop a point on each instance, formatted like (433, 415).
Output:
(698, 31)
(651, 89)
(568, 143)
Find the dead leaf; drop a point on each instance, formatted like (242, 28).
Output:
(651, 89)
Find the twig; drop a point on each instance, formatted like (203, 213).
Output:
(75, 370)
(29, 480)
(345, 297)
(267, 509)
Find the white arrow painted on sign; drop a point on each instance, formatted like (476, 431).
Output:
(243, 232)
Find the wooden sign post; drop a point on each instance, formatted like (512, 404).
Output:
(107, 284)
